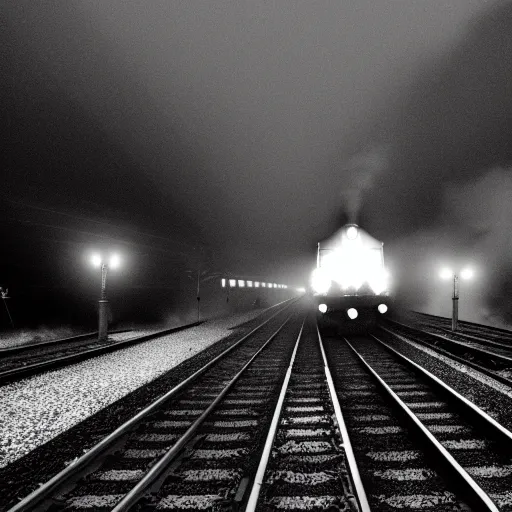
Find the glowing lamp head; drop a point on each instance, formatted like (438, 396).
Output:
(114, 261)
(352, 313)
(382, 308)
(96, 259)
(466, 273)
(352, 233)
(322, 308)
(445, 273)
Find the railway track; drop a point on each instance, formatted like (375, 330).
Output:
(492, 362)
(307, 462)
(419, 444)
(191, 447)
(465, 329)
(200, 447)
(20, 362)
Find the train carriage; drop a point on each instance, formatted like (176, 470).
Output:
(350, 283)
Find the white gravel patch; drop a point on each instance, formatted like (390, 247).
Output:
(381, 430)
(306, 432)
(121, 336)
(490, 471)
(394, 456)
(233, 453)
(121, 475)
(294, 477)
(191, 502)
(480, 377)
(405, 474)
(92, 501)
(305, 447)
(418, 501)
(464, 444)
(37, 409)
(303, 502)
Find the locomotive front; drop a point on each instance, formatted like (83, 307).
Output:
(350, 283)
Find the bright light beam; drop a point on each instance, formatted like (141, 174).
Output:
(96, 259)
(467, 273)
(445, 273)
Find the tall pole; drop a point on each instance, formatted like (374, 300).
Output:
(198, 284)
(455, 302)
(103, 305)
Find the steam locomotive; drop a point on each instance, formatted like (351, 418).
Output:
(350, 284)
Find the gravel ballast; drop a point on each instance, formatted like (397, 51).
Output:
(26, 473)
(490, 395)
(37, 409)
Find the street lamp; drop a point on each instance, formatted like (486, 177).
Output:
(112, 262)
(446, 273)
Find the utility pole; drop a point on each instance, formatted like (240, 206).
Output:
(198, 285)
(4, 297)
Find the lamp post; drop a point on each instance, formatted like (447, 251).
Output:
(99, 261)
(4, 297)
(446, 273)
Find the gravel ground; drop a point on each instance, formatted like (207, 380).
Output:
(491, 396)
(39, 465)
(27, 337)
(37, 409)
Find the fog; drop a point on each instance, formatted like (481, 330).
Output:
(242, 133)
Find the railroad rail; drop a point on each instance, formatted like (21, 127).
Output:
(491, 363)
(206, 427)
(465, 327)
(49, 343)
(312, 466)
(420, 430)
(18, 364)
(198, 446)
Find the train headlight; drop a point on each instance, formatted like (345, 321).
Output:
(352, 313)
(352, 233)
(382, 308)
(322, 308)
(320, 281)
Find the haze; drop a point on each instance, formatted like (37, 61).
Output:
(254, 129)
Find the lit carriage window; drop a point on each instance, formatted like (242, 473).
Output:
(223, 281)
(264, 285)
(256, 284)
(249, 284)
(241, 283)
(275, 285)
(232, 283)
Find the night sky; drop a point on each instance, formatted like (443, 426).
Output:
(241, 133)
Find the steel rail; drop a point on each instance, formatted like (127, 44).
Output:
(448, 320)
(78, 337)
(140, 489)
(347, 445)
(260, 473)
(42, 492)
(35, 368)
(450, 355)
(470, 337)
(472, 491)
(459, 344)
(477, 413)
